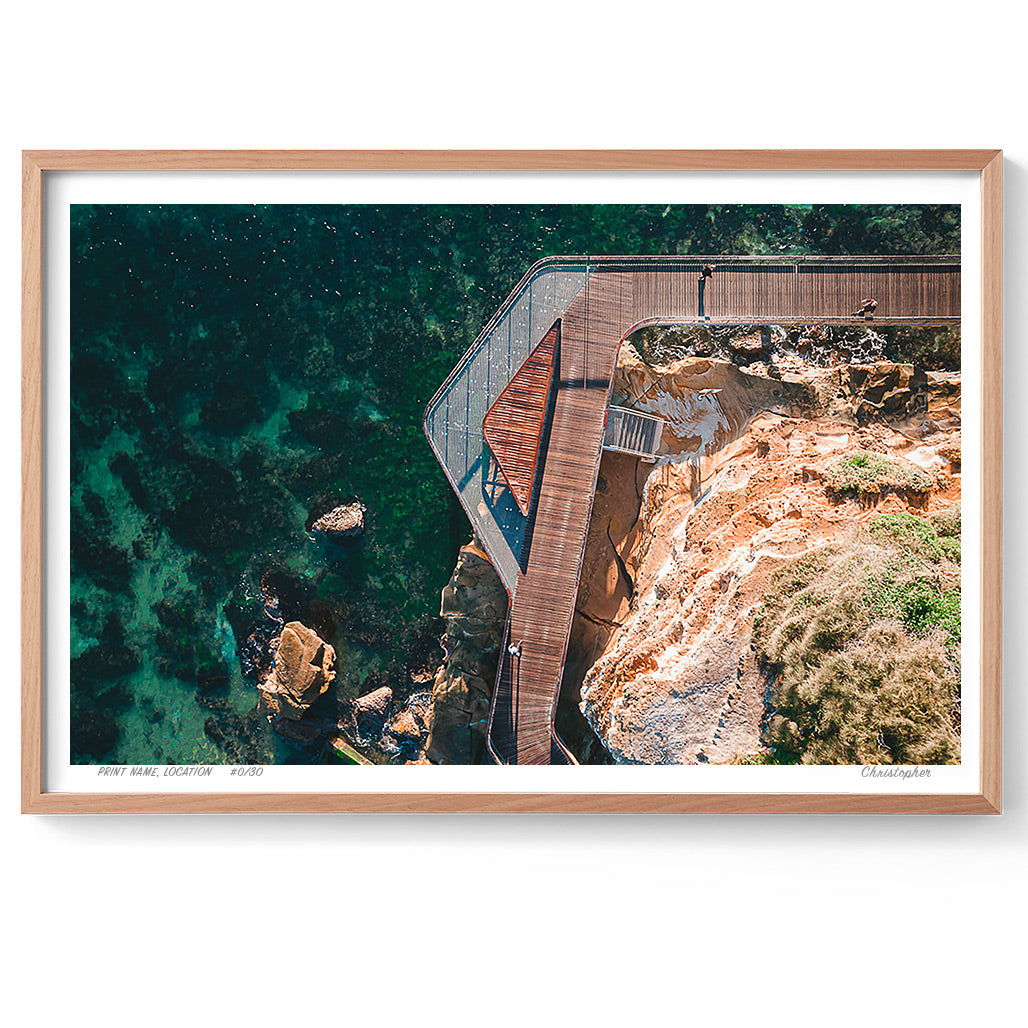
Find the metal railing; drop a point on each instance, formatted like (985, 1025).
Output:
(453, 419)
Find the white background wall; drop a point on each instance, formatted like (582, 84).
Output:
(180, 921)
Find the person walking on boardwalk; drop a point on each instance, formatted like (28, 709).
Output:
(705, 272)
(867, 309)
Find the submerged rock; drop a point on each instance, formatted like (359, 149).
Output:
(96, 734)
(240, 736)
(346, 522)
(289, 597)
(299, 733)
(256, 654)
(303, 671)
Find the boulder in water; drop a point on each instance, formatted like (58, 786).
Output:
(346, 522)
(405, 727)
(371, 710)
(303, 672)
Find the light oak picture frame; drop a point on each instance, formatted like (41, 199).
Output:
(38, 164)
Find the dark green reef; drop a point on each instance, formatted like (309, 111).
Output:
(236, 371)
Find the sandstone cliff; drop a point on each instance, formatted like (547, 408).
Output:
(680, 554)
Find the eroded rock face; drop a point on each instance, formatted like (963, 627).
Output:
(707, 403)
(304, 669)
(884, 391)
(680, 554)
(474, 604)
(944, 398)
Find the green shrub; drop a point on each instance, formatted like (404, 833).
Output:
(863, 473)
(947, 527)
(915, 534)
(762, 756)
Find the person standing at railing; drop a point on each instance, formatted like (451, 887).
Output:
(705, 272)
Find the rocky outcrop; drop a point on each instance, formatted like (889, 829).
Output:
(341, 523)
(931, 347)
(680, 554)
(707, 403)
(883, 391)
(751, 346)
(944, 399)
(474, 604)
(406, 727)
(387, 725)
(304, 668)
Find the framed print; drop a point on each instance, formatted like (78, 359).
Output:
(587, 481)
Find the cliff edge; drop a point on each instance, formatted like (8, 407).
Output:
(758, 467)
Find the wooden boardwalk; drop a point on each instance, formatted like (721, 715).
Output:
(593, 304)
(521, 730)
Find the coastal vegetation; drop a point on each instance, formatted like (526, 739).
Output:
(872, 475)
(862, 645)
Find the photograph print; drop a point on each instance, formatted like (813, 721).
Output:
(515, 484)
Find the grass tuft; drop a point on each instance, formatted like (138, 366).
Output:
(866, 473)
